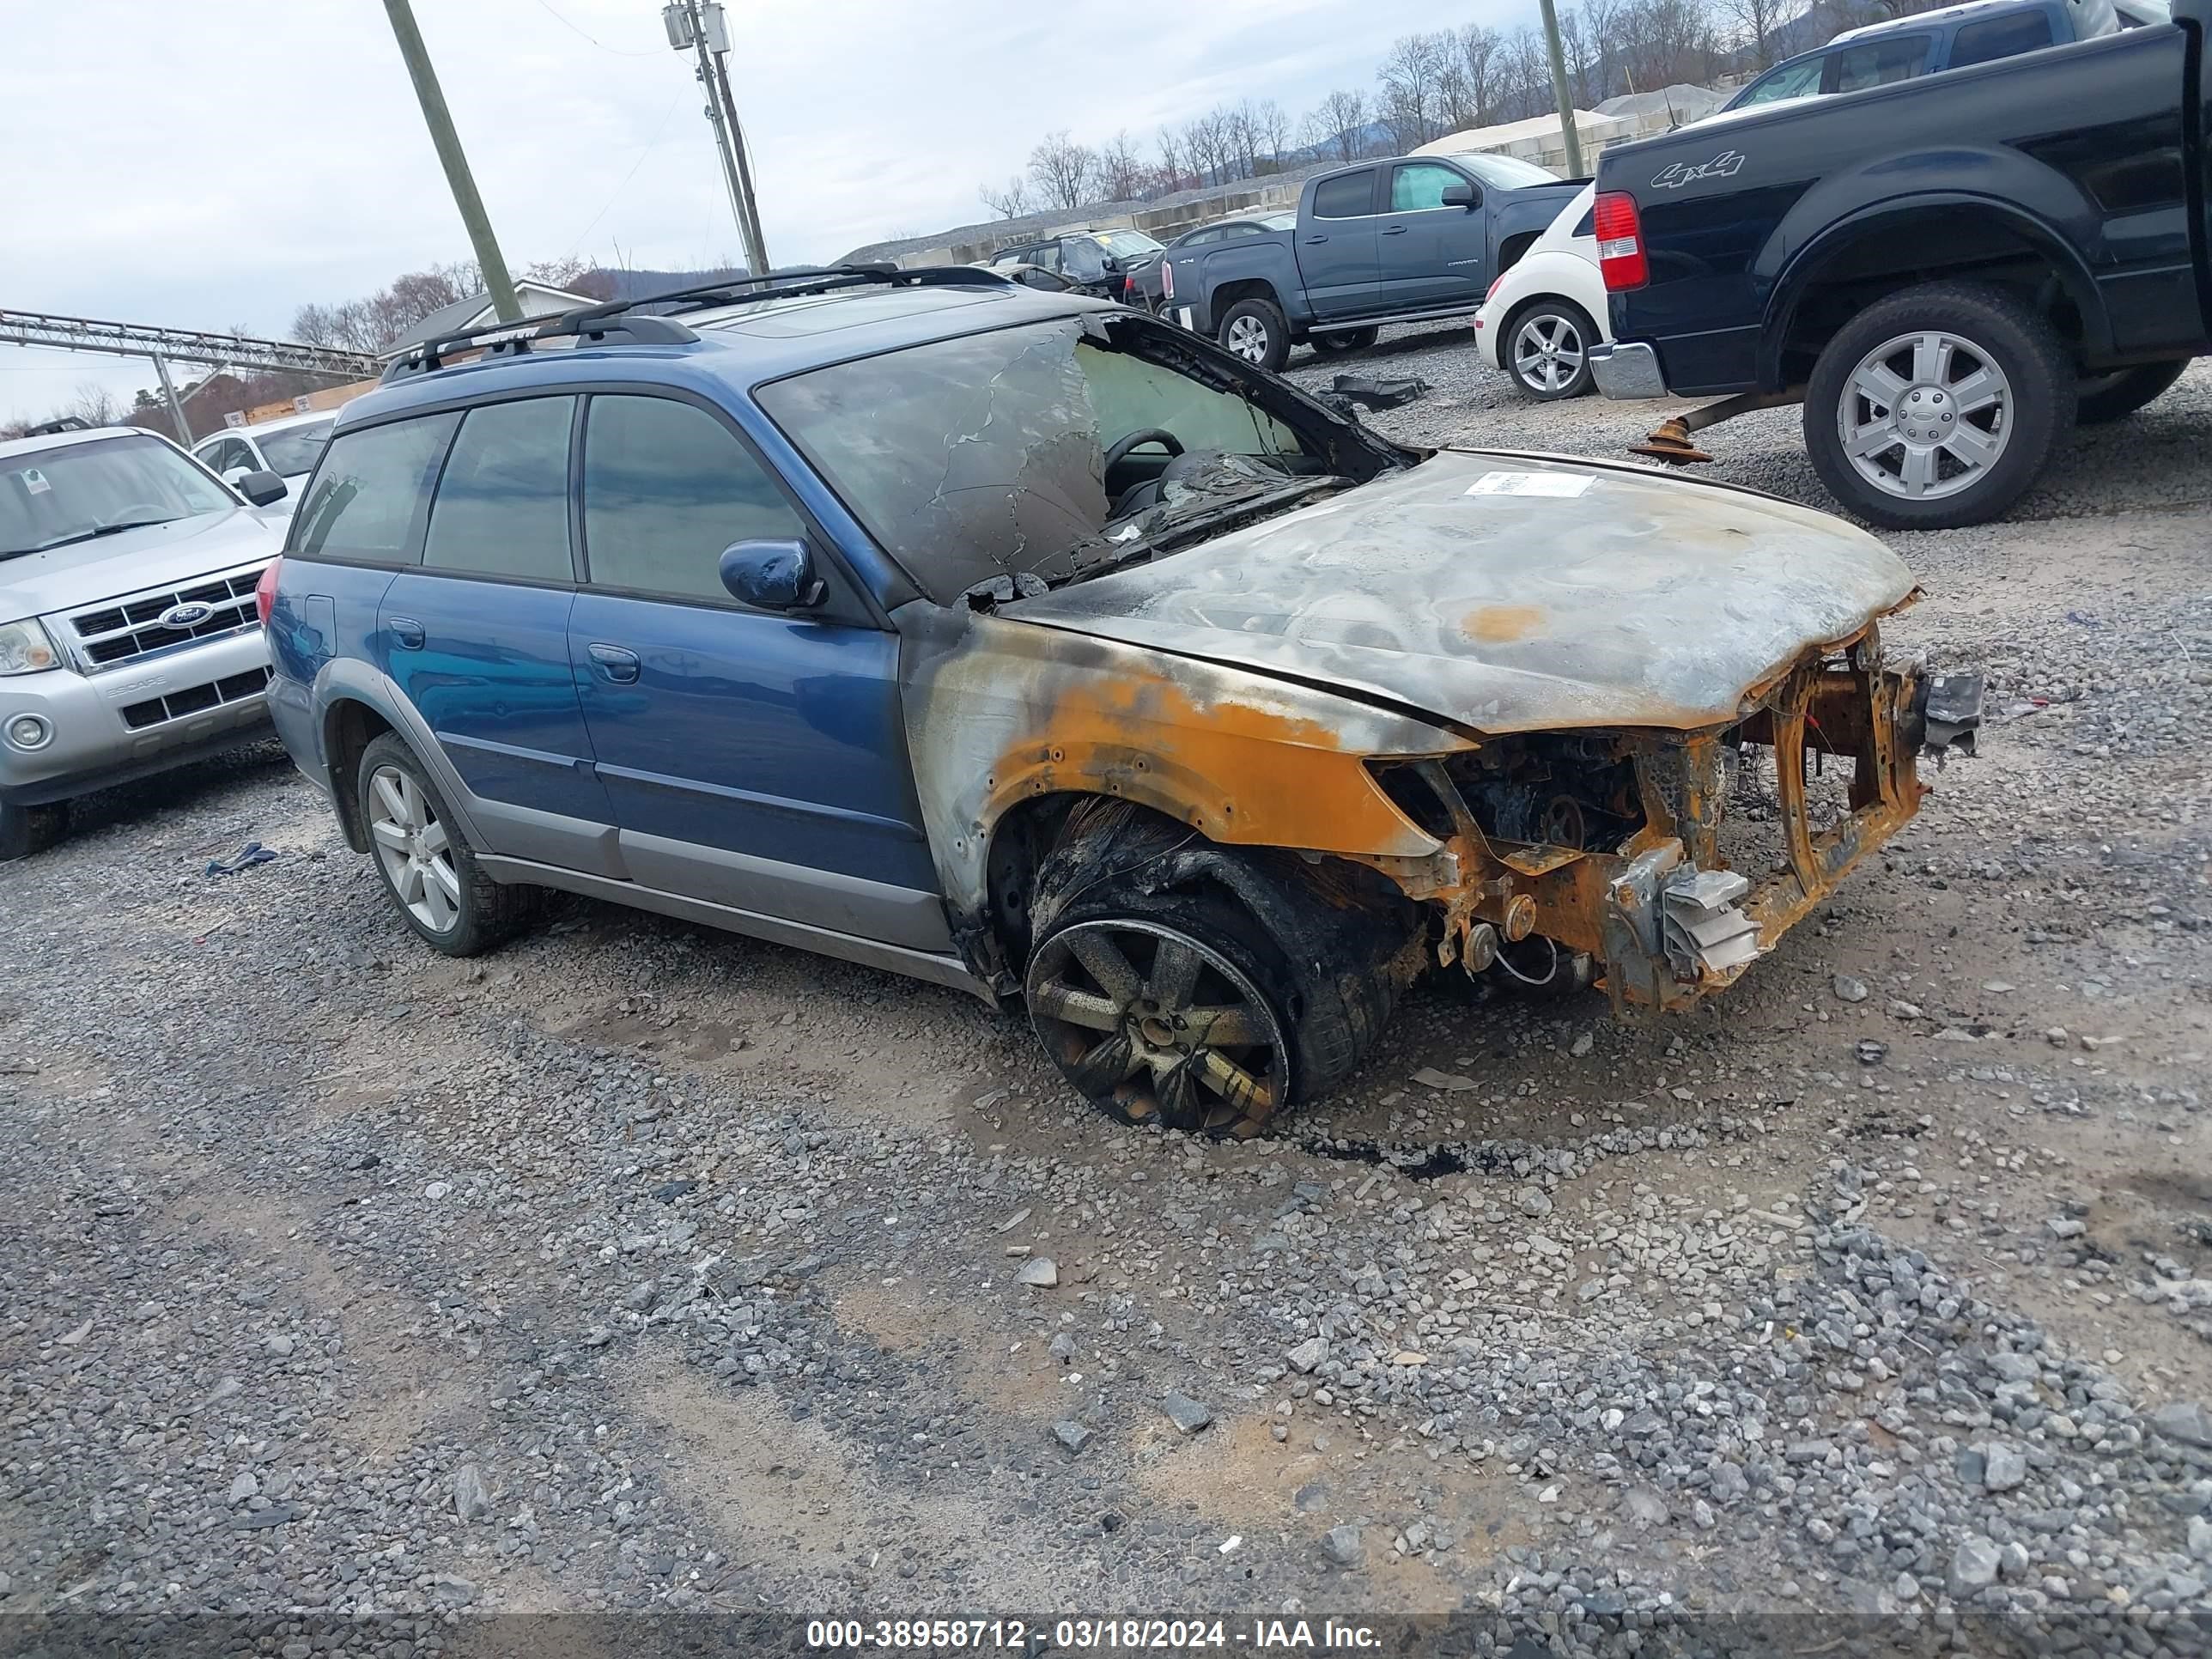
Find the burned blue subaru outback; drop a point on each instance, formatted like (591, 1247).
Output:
(1030, 645)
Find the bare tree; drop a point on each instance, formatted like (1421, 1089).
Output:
(1478, 65)
(94, 405)
(1408, 77)
(1122, 171)
(1271, 129)
(1177, 166)
(1063, 171)
(1009, 201)
(1333, 129)
(563, 272)
(1753, 24)
(1204, 145)
(1242, 126)
(1598, 23)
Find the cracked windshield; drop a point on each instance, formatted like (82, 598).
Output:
(1033, 453)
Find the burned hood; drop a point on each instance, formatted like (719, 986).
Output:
(1509, 593)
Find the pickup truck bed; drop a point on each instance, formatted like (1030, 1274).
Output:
(1948, 271)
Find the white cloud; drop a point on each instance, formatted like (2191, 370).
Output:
(214, 167)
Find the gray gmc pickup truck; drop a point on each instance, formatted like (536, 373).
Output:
(1400, 239)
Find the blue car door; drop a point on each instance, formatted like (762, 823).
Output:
(1430, 254)
(754, 759)
(1335, 243)
(474, 632)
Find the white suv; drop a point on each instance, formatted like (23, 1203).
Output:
(288, 446)
(130, 639)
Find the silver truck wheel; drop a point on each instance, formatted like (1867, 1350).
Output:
(1938, 405)
(1255, 331)
(1925, 414)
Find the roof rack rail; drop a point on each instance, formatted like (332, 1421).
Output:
(797, 280)
(516, 339)
(628, 321)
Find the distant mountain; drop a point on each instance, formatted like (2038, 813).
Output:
(633, 284)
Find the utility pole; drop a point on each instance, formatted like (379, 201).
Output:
(1567, 128)
(448, 144)
(697, 26)
(756, 243)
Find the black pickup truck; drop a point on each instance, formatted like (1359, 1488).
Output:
(1400, 239)
(1949, 272)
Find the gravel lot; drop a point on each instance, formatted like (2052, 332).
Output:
(353, 1291)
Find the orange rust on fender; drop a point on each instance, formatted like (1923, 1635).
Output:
(1502, 624)
(1235, 772)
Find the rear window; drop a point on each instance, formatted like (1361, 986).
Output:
(1352, 196)
(2000, 36)
(502, 503)
(1127, 244)
(293, 450)
(1877, 63)
(369, 494)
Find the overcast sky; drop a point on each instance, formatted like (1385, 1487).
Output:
(214, 166)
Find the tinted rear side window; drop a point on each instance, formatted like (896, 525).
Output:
(1876, 64)
(503, 503)
(666, 488)
(367, 499)
(1352, 196)
(2001, 37)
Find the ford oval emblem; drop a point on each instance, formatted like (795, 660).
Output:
(191, 614)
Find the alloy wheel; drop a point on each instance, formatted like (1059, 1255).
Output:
(1248, 338)
(413, 849)
(1157, 1027)
(1925, 414)
(1547, 352)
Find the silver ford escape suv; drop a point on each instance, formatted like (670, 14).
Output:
(129, 641)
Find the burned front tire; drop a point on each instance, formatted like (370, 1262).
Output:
(1202, 987)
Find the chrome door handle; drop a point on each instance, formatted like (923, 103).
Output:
(617, 664)
(407, 631)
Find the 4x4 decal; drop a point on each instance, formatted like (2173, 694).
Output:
(1725, 164)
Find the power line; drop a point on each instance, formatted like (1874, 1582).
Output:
(613, 51)
(652, 144)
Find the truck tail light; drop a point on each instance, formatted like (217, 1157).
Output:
(1167, 278)
(264, 591)
(1619, 241)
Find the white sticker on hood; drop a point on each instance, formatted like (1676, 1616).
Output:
(1531, 483)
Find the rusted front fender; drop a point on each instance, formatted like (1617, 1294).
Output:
(998, 711)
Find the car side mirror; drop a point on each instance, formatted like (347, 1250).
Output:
(771, 575)
(1461, 195)
(261, 488)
